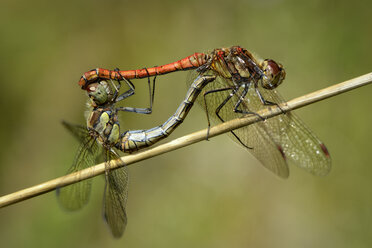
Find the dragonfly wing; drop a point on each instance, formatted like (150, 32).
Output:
(75, 196)
(299, 143)
(269, 153)
(255, 136)
(115, 197)
(78, 131)
(282, 137)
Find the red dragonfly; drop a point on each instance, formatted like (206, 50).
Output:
(243, 84)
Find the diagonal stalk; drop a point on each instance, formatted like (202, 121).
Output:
(186, 140)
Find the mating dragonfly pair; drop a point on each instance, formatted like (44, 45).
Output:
(233, 82)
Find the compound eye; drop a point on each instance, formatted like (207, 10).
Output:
(273, 68)
(274, 74)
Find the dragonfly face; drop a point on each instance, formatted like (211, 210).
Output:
(100, 93)
(273, 74)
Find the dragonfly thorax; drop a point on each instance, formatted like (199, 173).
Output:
(104, 123)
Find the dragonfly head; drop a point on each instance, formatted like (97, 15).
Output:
(98, 93)
(274, 74)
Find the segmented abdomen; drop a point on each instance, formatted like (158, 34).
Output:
(188, 63)
(134, 140)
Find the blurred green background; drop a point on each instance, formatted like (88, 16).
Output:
(212, 194)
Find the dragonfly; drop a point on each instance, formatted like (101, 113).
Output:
(102, 136)
(244, 84)
(98, 139)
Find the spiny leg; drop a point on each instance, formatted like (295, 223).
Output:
(116, 87)
(241, 99)
(218, 109)
(152, 94)
(206, 105)
(234, 90)
(266, 102)
(142, 110)
(129, 92)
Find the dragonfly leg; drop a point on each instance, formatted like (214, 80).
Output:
(141, 110)
(117, 89)
(241, 99)
(129, 92)
(206, 105)
(134, 110)
(220, 107)
(151, 94)
(266, 102)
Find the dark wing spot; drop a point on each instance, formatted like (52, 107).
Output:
(281, 152)
(324, 149)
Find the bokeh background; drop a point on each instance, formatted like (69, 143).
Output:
(212, 194)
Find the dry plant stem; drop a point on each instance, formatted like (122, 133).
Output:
(269, 112)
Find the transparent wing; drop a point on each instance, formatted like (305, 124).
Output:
(75, 196)
(115, 197)
(299, 143)
(263, 148)
(273, 141)
(78, 131)
(260, 144)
